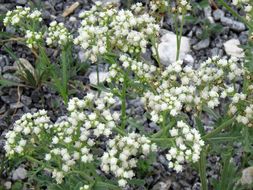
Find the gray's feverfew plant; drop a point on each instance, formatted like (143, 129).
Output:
(92, 146)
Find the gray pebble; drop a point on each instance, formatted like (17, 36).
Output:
(11, 77)
(218, 14)
(4, 61)
(26, 100)
(202, 44)
(19, 173)
(21, 2)
(16, 105)
(216, 52)
(234, 25)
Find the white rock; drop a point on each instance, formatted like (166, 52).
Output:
(167, 49)
(189, 59)
(7, 185)
(19, 173)
(101, 75)
(232, 48)
(247, 176)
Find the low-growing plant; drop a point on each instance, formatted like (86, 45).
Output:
(38, 37)
(98, 146)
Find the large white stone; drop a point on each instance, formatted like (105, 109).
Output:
(247, 176)
(167, 49)
(232, 48)
(101, 75)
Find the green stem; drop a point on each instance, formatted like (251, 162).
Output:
(202, 170)
(64, 74)
(165, 129)
(104, 185)
(34, 160)
(123, 101)
(219, 129)
(179, 37)
(97, 69)
(120, 131)
(235, 14)
(84, 175)
(162, 139)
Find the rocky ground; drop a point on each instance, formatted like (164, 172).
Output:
(200, 41)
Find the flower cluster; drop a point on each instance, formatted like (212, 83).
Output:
(142, 71)
(187, 148)
(181, 86)
(58, 34)
(18, 141)
(21, 15)
(85, 187)
(182, 6)
(104, 30)
(247, 6)
(242, 107)
(33, 38)
(123, 155)
(67, 142)
(158, 5)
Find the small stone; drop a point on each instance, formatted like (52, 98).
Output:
(16, 105)
(19, 173)
(196, 186)
(189, 59)
(199, 32)
(7, 185)
(202, 44)
(36, 96)
(234, 25)
(72, 19)
(232, 48)
(11, 77)
(218, 14)
(247, 176)
(216, 52)
(208, 14)
(8, 99)
(26, 100)
(102, 76)
(167, 48)
(81, 56)
(4, 61)
(21, 2)
(108, 1)
(162, 185)
(244, 37)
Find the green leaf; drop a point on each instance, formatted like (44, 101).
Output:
(211, 112)
(200, 126)
(228, 173)
(133, 123)
(99, 185)
(137, 182)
